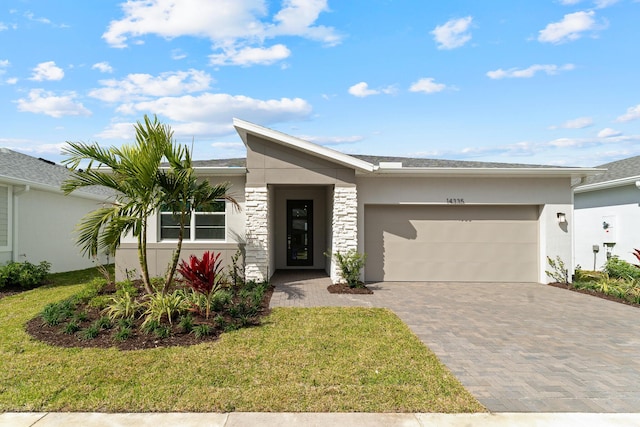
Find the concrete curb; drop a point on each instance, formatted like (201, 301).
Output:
(234, 419)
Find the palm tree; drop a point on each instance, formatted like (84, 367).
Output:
(131, 171)
(183, 194)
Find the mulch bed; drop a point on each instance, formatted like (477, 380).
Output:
(139, 340)
(342, 288)
(593, 293)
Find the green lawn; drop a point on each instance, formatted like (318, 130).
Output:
(299, 360)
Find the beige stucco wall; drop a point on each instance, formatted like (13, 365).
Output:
(271, 163)
(159, 253)
(44, 224)
(551, 194)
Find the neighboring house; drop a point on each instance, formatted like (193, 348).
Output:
(607, 214)
(416, 219)
(36, 219)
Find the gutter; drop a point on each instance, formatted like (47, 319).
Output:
(635, 180)
(484, 172)
(51, 188)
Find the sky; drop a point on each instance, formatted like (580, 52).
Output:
(552, 82)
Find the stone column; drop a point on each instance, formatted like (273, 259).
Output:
(257, 234)
(344, 225)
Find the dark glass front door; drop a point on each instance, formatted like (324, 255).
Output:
(300, 232)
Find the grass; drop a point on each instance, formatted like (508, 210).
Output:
(299, 360)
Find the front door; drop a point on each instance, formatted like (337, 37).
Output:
(299, 232)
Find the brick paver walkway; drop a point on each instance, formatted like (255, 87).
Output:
(517, 347)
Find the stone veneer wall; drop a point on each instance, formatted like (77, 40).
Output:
(257, 234)
(344, 225)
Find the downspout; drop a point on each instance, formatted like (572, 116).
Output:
(15, 257)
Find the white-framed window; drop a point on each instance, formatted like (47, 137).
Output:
(5, 215)
(201, 225)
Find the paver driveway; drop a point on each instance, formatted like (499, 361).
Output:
(516, 347)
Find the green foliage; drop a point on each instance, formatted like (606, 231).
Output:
(24, 274)
(104, 322)
(123, 334)
(122, 305)
(350, 264)
(169, 306)
(620, 269)
(186, 323)
(71, 328)
(559, 272)
(90, 332)
(202, 330)
(127, 286)
(56, 313)
(150, 326)
(100, 302)
(220, 300)
(236, 270)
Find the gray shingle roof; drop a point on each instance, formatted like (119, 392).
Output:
(14, 165)
(625, 168)
(407, 162)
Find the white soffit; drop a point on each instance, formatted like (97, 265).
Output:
(634, 180)
(243, 128)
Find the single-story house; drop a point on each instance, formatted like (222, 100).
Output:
(37, 220)
(416, 219)
(607, 215)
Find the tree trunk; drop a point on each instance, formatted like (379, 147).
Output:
(176, 256)
(142, 256)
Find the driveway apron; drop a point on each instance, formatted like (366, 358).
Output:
(517, 347)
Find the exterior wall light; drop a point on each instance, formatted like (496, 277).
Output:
(562, 217)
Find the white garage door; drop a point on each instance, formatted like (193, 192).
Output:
(451, 243)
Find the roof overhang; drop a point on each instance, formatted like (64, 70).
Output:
(51, 188)
(630, 180)
(246, 128)
(540, 172)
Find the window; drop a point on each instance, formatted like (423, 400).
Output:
(4, 216)
(201, 225)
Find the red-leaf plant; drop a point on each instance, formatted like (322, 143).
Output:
(203, 275)
(636, 253)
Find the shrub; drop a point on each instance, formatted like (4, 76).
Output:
(201, 331)
(91, 332)
(203, 275)
(350, 264)
(559, 271)
(24, 274)
(161, 305)
(617, 268)
(55, 313)
(123, 334)
(122, 306)
(186, 323)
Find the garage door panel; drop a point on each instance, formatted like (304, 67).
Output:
(451, 243)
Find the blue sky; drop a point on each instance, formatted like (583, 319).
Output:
(542, 82)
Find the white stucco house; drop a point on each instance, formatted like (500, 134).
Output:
(607, 215)
(36, 219)
(416, 219)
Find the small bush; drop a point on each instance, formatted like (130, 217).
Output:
(186, 323)
(104, 323)
(123, 334)
(24, 274)
(159, 306)
(201, 331)
(55, 313)
(350, 264)
(559, 272)
(91, 332)
(71, 328)
(203, 275)
(620, 269)
(121, 306)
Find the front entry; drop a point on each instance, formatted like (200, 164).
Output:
(299, 233)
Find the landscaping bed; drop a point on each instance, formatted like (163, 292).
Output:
(343, 288)
(296, 360)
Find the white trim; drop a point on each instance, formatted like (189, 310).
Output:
(9, 246)
(243, 128)
(607, 184)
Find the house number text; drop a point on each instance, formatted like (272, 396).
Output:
(455, 201)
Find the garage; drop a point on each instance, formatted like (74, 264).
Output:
(452, 243)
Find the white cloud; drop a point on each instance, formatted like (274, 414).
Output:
(633, 113)
(608, 133)
(453, 33)
(569, 2)
(4, 63)
(570, 28)
(601, 4)
(427, 85)
(11, 81)
(529, 72)
(103, 67)
(211, 114)
(44, 102)
(579, 123)
(235, 27)
(47, 71)
(251, 55)
(178, 54)
(141, 86)
(362, 90)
